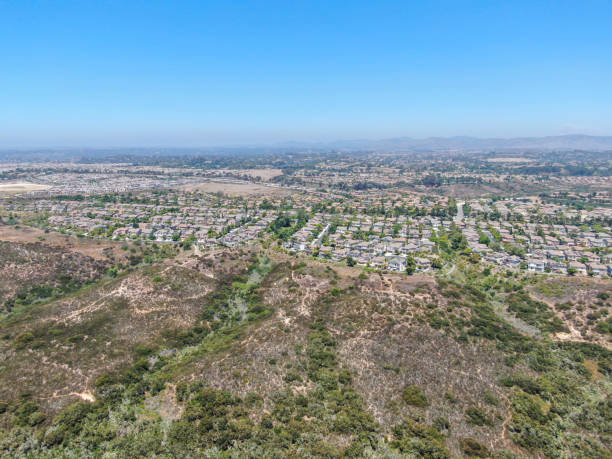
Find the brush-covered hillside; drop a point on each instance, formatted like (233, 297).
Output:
(253, 353)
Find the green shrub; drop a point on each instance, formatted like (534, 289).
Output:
(472, 448)
(531, 406)
(27, 413)
(416, 439)
(23, 339)
(491, 399)
(534, 312)
(441, 424)
(476, 416)
(414, 396)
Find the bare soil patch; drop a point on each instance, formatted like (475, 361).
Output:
(237, 189)
(510, 160)
(16, 188)
(264, 174)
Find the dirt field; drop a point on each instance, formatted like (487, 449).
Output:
(462, 190)
(16, 188)
(265, 174)
(510, 160)
(236, 189)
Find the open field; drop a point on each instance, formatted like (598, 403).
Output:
(477, 190)
(236, 189)
(264, 174)
(510, 160)
(16, 188)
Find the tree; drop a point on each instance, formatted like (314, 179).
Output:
(514, 249)
(410, 265)
(484, 239)
(350, 261)
(457, 240)
(188, 242)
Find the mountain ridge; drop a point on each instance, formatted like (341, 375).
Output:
(467, 143)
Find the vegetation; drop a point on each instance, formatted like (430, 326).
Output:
(413, 395)
(285, 226)
(273, 362)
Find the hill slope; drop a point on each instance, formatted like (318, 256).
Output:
(246, 353)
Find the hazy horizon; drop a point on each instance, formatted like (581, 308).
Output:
(273, 143)
(457, 143)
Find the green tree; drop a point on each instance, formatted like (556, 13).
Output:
(410, 265)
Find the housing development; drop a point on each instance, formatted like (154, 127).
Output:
(375, 212)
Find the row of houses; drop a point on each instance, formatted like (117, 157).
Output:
(540, 265)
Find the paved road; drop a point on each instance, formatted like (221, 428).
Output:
(459, 216)
(320, 236)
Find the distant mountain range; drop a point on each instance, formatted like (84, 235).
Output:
(462, 143)
(399, 144)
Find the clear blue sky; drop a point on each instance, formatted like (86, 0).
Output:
(124, 73)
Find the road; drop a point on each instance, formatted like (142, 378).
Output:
(320, 236)
(459, 216)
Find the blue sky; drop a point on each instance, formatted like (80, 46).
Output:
(178, 73)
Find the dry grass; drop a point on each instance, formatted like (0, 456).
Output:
(17, 188)
(264, 174)
(510, 160)
(237, 189)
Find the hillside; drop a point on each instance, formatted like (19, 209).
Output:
(34, 270)
(251, 352)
